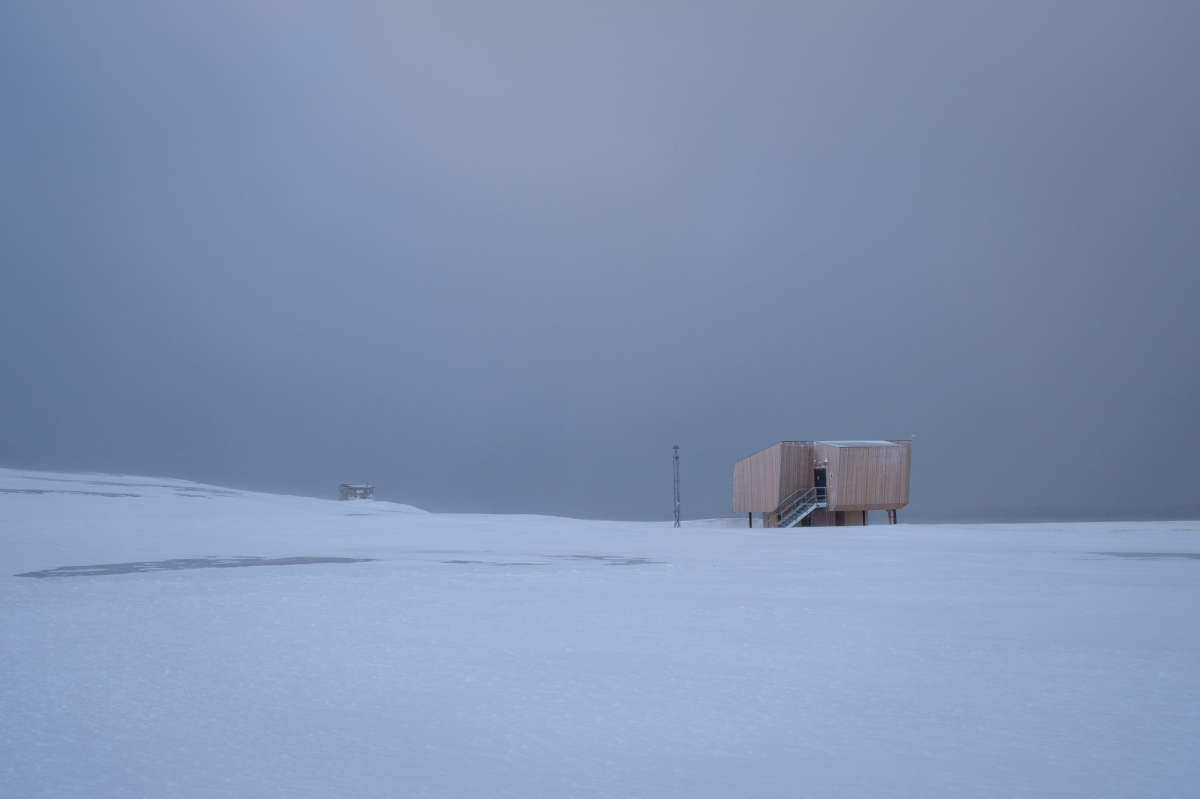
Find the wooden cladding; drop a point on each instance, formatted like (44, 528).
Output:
(866, 475)
(795, 467)
(756, 481)
(765, 479)
(837, 518)
(863, 475)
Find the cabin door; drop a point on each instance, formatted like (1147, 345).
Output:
(819, 483)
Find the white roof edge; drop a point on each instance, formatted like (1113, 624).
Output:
(857, 443)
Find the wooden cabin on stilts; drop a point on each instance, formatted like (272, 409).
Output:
(823, 483)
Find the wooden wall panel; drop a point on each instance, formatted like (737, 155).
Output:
(756, 481)
(763, 480)
(795, 469)
(867, 477)
(818, 519)
(906, 470)
(844, 518)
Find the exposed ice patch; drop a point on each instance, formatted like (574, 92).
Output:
(1153, 555)
(180, 563)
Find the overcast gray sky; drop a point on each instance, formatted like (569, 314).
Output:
(500, 257)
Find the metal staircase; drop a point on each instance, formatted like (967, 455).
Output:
(803, 502)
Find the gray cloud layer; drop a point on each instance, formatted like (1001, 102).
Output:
(502, 257)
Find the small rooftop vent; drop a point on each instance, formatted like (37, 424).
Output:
(347, 491)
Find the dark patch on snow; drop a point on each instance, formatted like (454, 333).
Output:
(614, 560)
(181, 563)
(1152, 555)
(184, 491)
(607, 560)
(196, 489)
(494, 563)
(62, 491)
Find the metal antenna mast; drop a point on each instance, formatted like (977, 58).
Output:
(675, 462)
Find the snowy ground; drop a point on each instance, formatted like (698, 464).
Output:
(525, 656)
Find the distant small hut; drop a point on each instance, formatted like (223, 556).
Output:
(823, 483)
(348, 491)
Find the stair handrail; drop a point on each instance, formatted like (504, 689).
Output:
(816, 496)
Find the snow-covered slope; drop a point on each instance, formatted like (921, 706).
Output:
(375, 650)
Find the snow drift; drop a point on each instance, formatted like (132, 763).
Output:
(161, 638)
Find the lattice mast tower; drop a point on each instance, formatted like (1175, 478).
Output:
(675, 464)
